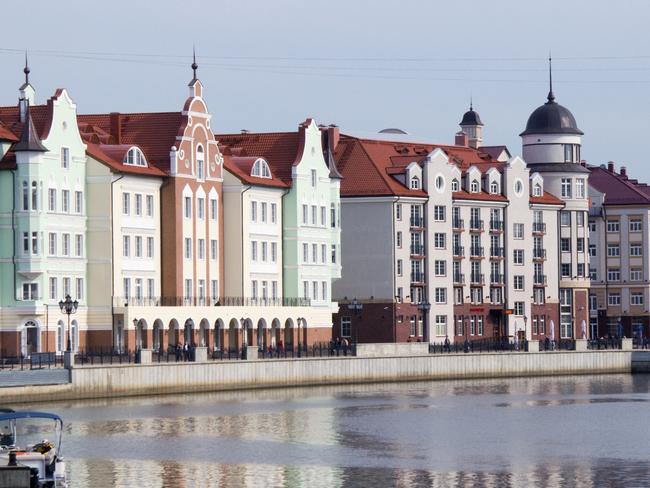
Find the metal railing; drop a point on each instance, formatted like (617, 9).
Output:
(539, 279)
(38, 360)
(496, 278)
(476, 224)
(539, 227)
(167, 301)
(476, 251)
(459, 278)
(417, 250)
(417, 277)
(477, 278)
(417, 221)
(459, 251)
(457, 223)
(539, 253)
(496, 225)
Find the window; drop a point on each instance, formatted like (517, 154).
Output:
(518, 282)
(201, 290)
(565, 270)
(261, 169)
(314, 176)
(274, 213)
(566, 188)
(581, 269)
(65, 201)
(65, 246)
(52, 244)
(592, 250)
(65, 157)
(537, 190)
(614, 274)
(565, 218)
(441, 295)
(415, 183)
(134, 157)
(51, 193)
(565, 244)
(188, 207)
(151, 288)
(138, 204)
(214, 288)
(518, 231)
(613, 250)
(592, 226)
(188, 288)
(254, 250)
(400, 267)
(305, 213)
(214, 209)
(213, 249)
(398, 239)
(323, 216)
(149, 205)
(79, 245)
(636, 225)
(126, 203)
(79, 282)
(636, 274)
(580, 188)
(34, 196)
(138, 246)
(200, 208)
(305, 252)
(314, 287)
(126, 246)
(253, 211)
(474, 186)
(333, 254)
(494, 187)
(274, 251)
(593, 302)
(518, 256)
(188, 248)
(479, 325)
(149, 247)
(613, 226)
(305, 289)
(440, 268)
(263, 207)
(25, 242)
(455, 186)
(201, 248)
(636, 250)
(323, 253)
(439, 240)
(580, 219)
(314, 253)
(580, 244)
(66, 286)
(314, 212)
(30, 291)
(324, 290)
(346, 326)
(593, 274)
(519, 308)
(54, 294)
(441, 325)
(265, 247)
(398, 211)
(636, 298)
(200, 163)
(25, 196)
(333, 216)
(614, 299)
(439, 213)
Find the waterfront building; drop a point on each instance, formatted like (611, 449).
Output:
(43, 220)
(619, 250)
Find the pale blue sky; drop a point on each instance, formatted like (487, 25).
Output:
(364, 65)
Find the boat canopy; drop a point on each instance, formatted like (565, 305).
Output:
(30, 415)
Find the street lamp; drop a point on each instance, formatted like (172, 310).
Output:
(299, 320)
(424, 307)
(68, 307)
(355, 306)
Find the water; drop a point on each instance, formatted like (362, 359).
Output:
(584, 431)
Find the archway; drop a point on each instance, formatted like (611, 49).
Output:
(60, 337)
(157, 335)
(204, 333)
(30, 338)
(218, 334)
(261, 334)
(172, 333)
(288, 333)
(276, 332)
(247, 325)
(141, 334)
(188, 332)
(233, 342)
(302, 331)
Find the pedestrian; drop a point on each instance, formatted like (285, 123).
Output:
(547, 343)
(280, 347)
(447, 343)
(186, 352)
(178, 352)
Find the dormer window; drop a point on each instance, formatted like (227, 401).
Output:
(135, 157)
(200, 163)
(474, 187)
(261, 169)
(415, 183)
(494, 188)
(455, 185)
(537, 190)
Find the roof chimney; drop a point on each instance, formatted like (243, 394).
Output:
(610, 166)
(623, 171)
(116, 127)
(333, 136)
(462, 139)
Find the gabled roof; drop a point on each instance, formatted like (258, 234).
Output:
(41, 116)
(6, 134)
(241, 166)
(618, 188)
(107, 155)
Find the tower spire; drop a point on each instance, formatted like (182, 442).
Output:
(551, 96)
(194, 65)
(26, 69)
(470, 103)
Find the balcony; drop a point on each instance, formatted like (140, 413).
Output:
(417, 250)
(497, 252)
(458, 224)
(539, 228)
(476, 225)
(539, 253)
(539, 280)
(477, 278)
(496, 279)
(417, 277)
(476, 251)
(459, 251)
(459, 278)
(496, 225)
(417, 221)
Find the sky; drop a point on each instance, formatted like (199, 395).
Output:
(363, 65)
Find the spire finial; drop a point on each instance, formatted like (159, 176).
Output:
(26, 70)
(470, 103)
(551, 96)
(194, 65)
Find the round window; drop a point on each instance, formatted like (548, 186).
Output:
(440, 183)
(519, 187)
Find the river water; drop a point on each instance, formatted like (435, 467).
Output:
(583, 431)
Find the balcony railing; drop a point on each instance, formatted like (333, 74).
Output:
(417, 250)
(476, 251)
(497, 252)
(477, 278)
(496, 225)
(539, 253)
(458, 224)
(539, 227)
(459, 251)
(476, 225)
(496, 278)
(459, 278)
(169, 301)
(417, 221)
(417, 277)
(539, 280)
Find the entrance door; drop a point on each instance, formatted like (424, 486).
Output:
(30, 338)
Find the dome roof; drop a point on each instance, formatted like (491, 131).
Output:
(551, 118)
(471, 118)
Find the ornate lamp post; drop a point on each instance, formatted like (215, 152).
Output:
(424, 308)
(68, 307)
(300, 320)
(355, 306)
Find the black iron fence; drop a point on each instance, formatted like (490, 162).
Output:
(39, 360)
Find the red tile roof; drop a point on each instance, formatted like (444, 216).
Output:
(618, 188)
(241, 166)
(6, 134)
(546, 199)
(480, 196)
(106, 155)
(41, 116)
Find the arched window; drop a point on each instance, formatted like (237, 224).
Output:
(25, 196)
(134, 157)
(60, 334)
(537, 190)
(34, 196)
(261, 169)
(74, 336)
(200, 162)
(474, 187)
(415, 183)
(494, 188)
(455, 186)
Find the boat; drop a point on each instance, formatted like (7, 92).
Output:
(44, 456)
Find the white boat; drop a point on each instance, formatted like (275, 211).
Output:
(44, 456)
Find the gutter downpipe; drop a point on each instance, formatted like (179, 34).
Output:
(113, 262)
(392, 251)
